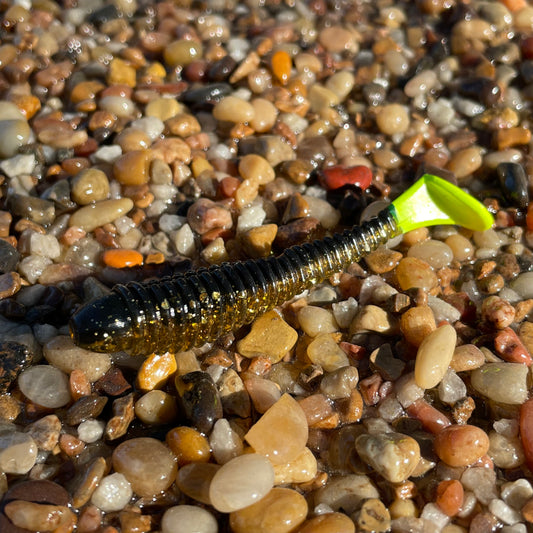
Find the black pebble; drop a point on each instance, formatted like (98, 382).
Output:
(513, 184)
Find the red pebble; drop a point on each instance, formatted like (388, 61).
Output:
(510, 347)
(526, 431)
(432, 419)
(338, 176)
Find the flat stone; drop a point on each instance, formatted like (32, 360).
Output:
(269, 337)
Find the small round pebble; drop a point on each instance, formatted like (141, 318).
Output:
(461, 445)
(188, 519)
(113, 493)
(45, 385)
(146, 463)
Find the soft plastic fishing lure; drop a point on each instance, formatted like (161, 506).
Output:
(187, 310)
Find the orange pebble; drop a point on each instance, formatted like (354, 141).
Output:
(188, 445)
(155, 259)
(27, 103)
(120, 258)
(450, 495)
(281, 66)
(155, 371)
(514, 5)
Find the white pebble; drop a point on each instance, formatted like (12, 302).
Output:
(225, 443)
(250, 217)
(17, 165)
(113, 493)
(451, 388)
(45, 385)
(314, 320)
(91, 430)
(504, 512)
(188, 519)
(344, 311)
(443, 310)
(169, 223)
(32, 266)
(106, 154)
(44, 245)
(152, 126)
(523, 285)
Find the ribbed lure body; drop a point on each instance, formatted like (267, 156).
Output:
(186, 310)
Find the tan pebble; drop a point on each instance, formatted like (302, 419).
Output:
(233, 109)
(121, 73)
(183, 125)
(337, 39)
(270, 337)
(525, 333)
(194, 480)
(412, 272)
(351, 408)
(90, 185)
(315, 320)
(461, 247)
(91, 478)
(321, 98)
(92, 216)
(417, 323)
(434, 356)
(393, 455)
(133, 139)
(497, 312)
(316, 407)
(465, 162)
(374, 516)
(323, 350)
(328, 523)
(233, 488)
(415, 236)
(39, 516)
(156, 407)
(466, 357)
(62, 137)
(147, 464)
(133, 168)
(507, 138)
(392, 119)
(13, 134)
(300, 470)
(9, 407)
(373, 318)
(256, 168)
(461, 445)
(281, 433)
(182, 52)
(383, 260)
(265, 114)
(262, 392)
(172, 150)
(258, 241)
(280, 511)
(163, 108)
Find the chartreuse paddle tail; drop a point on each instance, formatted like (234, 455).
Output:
(187, 310)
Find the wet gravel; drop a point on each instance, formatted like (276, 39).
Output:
(141, 139)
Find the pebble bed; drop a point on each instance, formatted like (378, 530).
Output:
(140, 139)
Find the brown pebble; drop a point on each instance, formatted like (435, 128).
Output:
(10, 284)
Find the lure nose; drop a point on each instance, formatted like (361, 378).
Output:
(103, 325)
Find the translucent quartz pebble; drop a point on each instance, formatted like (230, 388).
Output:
(523, 285)
(112, 494)
(147, 464)
(502, 382)
(435, 253)
(280, 511)
(346, 492)
(300, 470)
(434, 356)
(241, 482)
(18, 452)
(393, 455)
(328, 523)
(315, 320)
(194, 480)
(45, 385)
(324, 351)
(187, 519)
(281, 433)
(62, 353)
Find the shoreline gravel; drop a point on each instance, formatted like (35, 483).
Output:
(140, 139)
